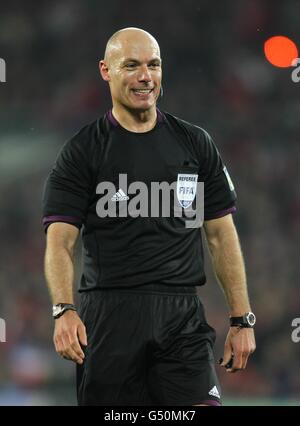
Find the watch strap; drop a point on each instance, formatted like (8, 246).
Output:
(246, 321)
(62, 308)
(237, 322)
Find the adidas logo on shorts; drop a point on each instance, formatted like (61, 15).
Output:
(214, 392)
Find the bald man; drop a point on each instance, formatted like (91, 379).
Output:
(139, 336)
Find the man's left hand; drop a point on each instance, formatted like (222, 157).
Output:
(239, 344)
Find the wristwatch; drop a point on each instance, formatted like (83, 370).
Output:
(246, 321)
(59, 309)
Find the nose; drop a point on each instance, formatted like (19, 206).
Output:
(144, 74)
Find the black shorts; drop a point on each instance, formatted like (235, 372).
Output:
(147, 346)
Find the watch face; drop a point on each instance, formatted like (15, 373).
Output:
(251, 319)
(56, 310)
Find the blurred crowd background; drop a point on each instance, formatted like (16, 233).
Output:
(214, 75)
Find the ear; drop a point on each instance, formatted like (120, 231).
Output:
(103, 68)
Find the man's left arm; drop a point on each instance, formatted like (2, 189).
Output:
(228, 263)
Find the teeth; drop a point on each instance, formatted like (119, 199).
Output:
(143, 90)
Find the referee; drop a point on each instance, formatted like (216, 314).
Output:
(139, 335)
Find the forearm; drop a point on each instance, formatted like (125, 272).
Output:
(59, 271)
(229, 267)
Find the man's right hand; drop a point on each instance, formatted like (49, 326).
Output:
(69, 334)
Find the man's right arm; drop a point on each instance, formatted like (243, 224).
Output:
(69, 331)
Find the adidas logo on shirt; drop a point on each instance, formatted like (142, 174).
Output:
(120, 196)
(214, 392)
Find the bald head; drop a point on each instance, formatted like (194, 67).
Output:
(120, 41)
(132, 68)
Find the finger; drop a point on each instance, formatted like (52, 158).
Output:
(227, 355)
(72, 356)
(64, 347)
(237, 362)
(245, 360)
(59, 346)
(82, 335)
(250, 347)
(68, 351)
(74, 343)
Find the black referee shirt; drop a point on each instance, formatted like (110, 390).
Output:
(131, 251)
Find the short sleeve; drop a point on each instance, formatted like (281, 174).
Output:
(219, 192)
(67, 187)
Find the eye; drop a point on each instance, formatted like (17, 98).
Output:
(154, 65)
(130, 65)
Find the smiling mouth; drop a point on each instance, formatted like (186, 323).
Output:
(142, 91)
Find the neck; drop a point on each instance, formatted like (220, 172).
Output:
(135, 121)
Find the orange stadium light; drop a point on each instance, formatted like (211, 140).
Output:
(280, 51)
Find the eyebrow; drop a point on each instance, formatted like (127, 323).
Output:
(156, 59)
